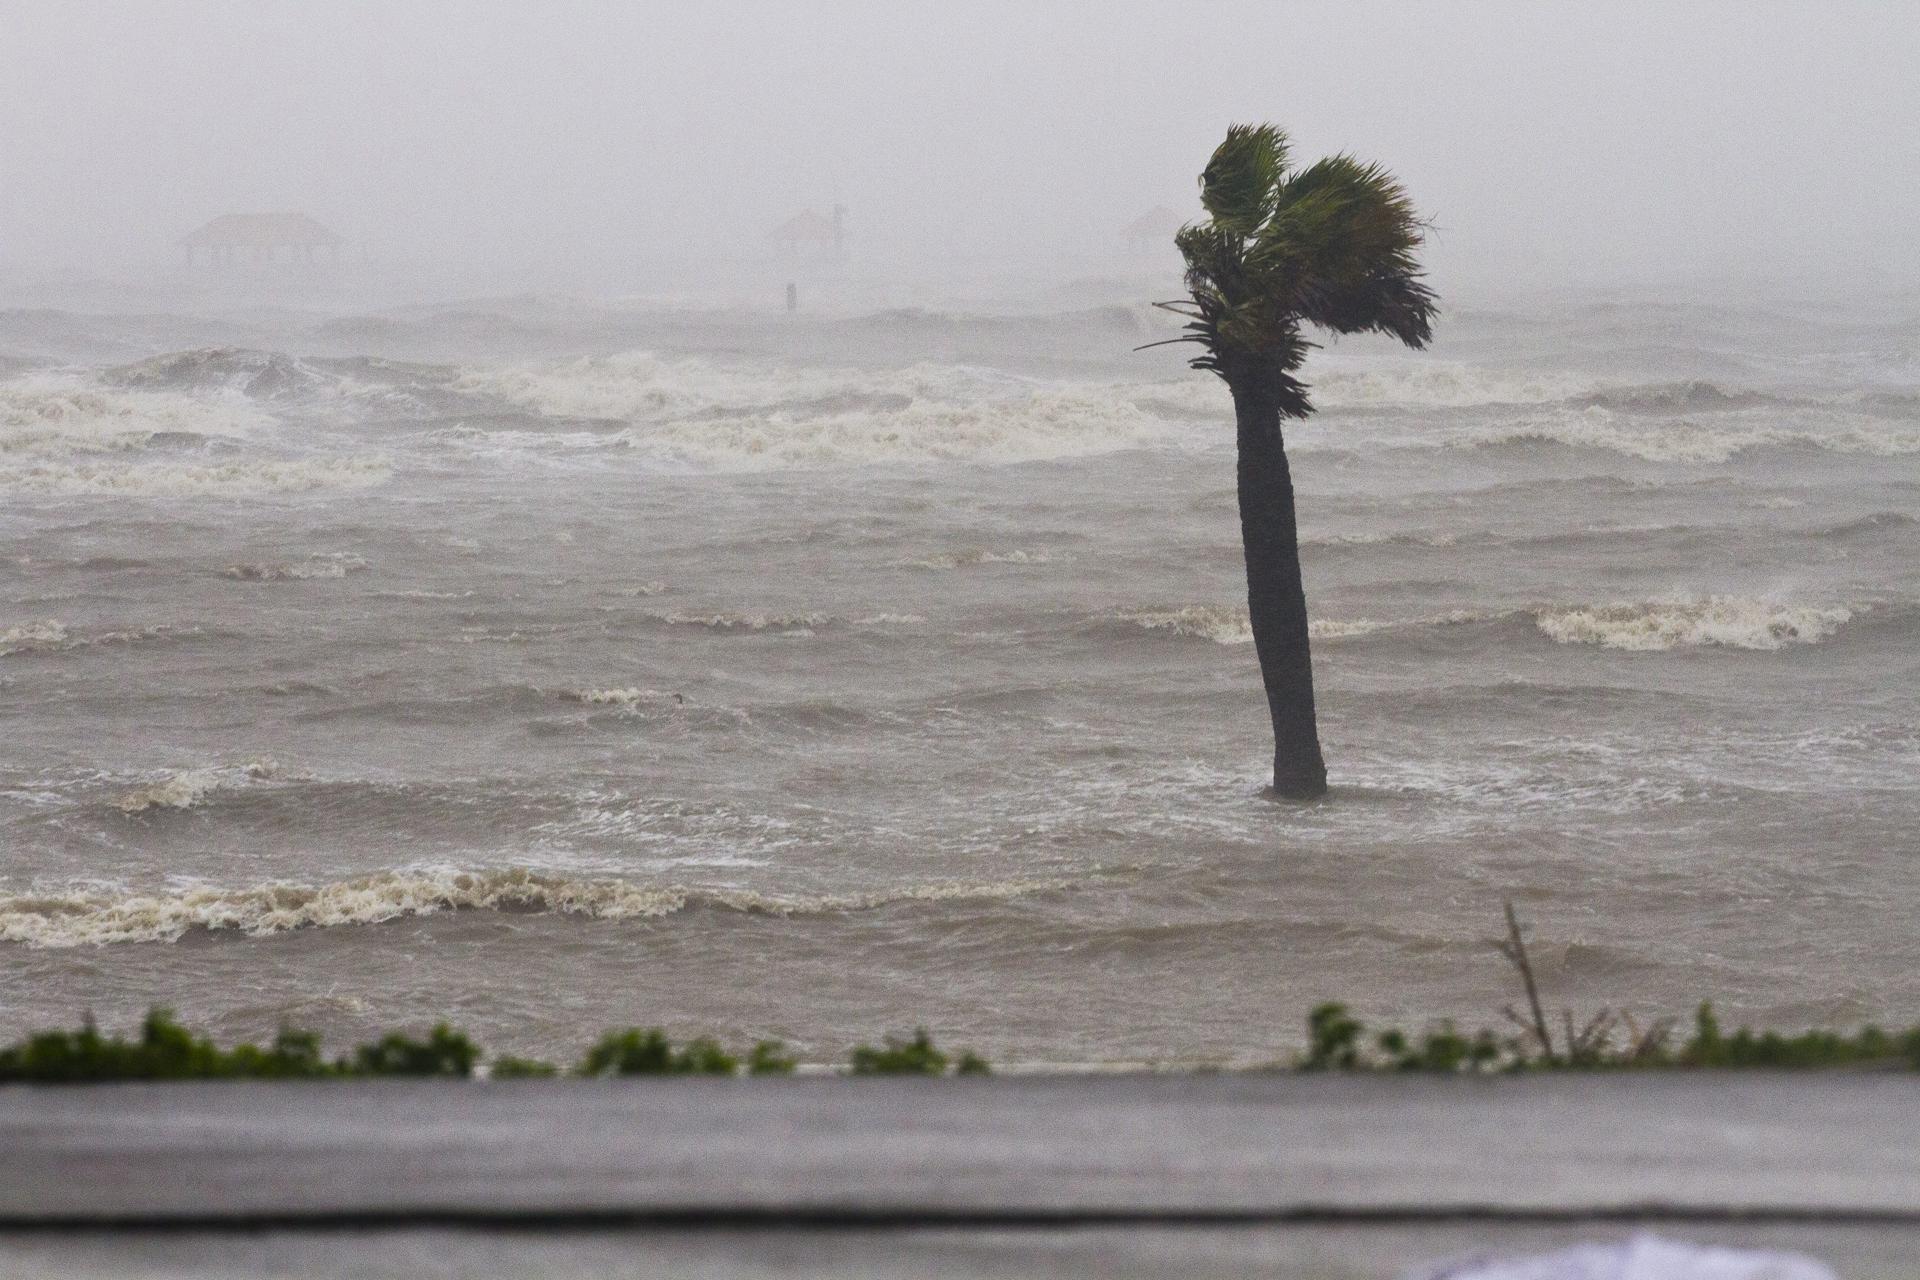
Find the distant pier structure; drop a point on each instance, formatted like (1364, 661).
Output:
(809, 234)
(260, 237)
(1152, 231)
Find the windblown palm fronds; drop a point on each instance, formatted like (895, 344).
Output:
(1331, 245)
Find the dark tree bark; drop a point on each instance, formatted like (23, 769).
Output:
(1276, 598)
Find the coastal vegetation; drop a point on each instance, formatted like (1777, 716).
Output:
(1337, 1040)
(1331, 246)
(1606, 1040)
(163, 1049)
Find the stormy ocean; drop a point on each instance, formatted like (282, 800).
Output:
(547, 666)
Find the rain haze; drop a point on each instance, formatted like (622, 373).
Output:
(586, 515)
(621, 147)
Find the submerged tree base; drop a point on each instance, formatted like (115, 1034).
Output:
(1298, 788)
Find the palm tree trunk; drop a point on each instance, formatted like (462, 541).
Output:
(1276, 598)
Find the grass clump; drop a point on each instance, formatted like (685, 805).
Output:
(508, 1067)
(1338, 1041)
(914, 1056)
(1770, 1049)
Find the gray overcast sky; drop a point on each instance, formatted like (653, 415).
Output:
(1550, 142)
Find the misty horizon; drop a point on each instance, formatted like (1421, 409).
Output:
(603, 148)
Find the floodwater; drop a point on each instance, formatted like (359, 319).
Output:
(547, 666)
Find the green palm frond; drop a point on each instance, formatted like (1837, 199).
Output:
(1240, 182)
(1333, 245)
(1354, 235)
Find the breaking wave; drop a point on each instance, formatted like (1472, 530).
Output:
(51, 635)
(1683, 440)
(1220, 624)
(53, 417)
(284, 381)
(793, 624)
(1672, 397)
(1382, 540)
(69, 919)
(30, 637)
(1729, 621)
(972, 556)
(1038, 427)
(1227, 625)
(696, 415)
(321, 564)
(628, 697)
(1433, 384)
(250, 478)
(263, 375)
(1422, 385)
(189, 787)
(724, 623)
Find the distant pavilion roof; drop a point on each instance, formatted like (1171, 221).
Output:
(805, 225)
(260, 231)
(1157, 223)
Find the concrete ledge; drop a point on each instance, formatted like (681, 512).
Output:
(1197, 1151)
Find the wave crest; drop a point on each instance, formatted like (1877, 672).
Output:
(190, 787)
(1672, 397)
(1225, 625)
(52, 417)
(98, 919)
(168, 480)
(703, 416)
(1683, 440)
(30, 637)
(321, 564)
(1729, 621)
(971, 556)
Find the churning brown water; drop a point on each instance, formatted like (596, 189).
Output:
(548, 667)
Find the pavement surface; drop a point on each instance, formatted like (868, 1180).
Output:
(1022, 1176)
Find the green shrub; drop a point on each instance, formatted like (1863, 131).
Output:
(703, 1056)
(507, 1067)
(165, 1050)
(294, 1055)
(770, 1058)
(445, 1052)
(971, 1064)
(646, 1051)
(632, 1052)
(1333, 1039)
(897, 1057)
(1809, 1049)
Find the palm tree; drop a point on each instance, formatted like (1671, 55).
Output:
(1331, 245)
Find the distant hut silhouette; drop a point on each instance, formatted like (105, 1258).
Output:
(807, 231)
(261, 236)
(1153, 230)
